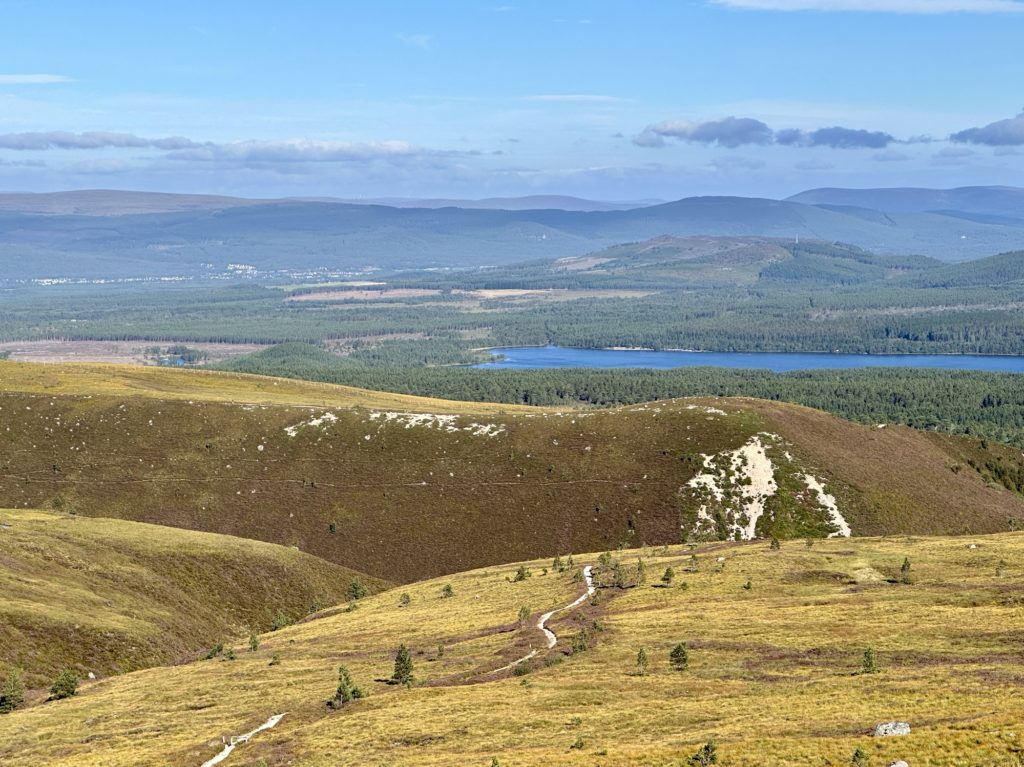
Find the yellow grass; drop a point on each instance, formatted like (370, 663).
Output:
(86, 379)
(771, 678)
(107, 595)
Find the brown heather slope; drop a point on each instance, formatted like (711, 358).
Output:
(109, 596)
(402, 496)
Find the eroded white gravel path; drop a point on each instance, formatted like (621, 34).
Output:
(550, 637)
(236, 739)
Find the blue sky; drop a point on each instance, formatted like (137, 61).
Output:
(609, 100)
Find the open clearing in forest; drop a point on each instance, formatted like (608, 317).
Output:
(128, 352)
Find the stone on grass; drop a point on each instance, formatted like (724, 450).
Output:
(887, 729)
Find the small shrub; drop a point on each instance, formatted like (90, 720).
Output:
(869, 663)
(641, 573)
(860, 758)
(679, 657)
(356, 589)
(641, 662)
(577, 744)
(524, 615)
(748, 585)
(706, 755)
(809, 542)
(775, 545)
(556, 564)
(447, 592)
(229, 654)
(403, 666)
(346, 691)
(254, 642)
(275, 659)
(404, 600)
(280, 620)
(905, 570)
(668, 576)
(580, 642)
(495, 762)
(65, 685)
(333, 527)
(522, 669)
(605, 559)
(216, 650)
(12, 694)
(521, 574)
(440, 650)
(619, 576)
(1001, 568)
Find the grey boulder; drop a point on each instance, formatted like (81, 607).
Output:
(888, 729)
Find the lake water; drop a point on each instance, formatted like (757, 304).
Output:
(531, 357)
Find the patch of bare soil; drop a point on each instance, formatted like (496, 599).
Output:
(365, 295)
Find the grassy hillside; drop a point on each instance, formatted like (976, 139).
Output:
(775, 638)
(89, 380)
(108, 596)
(420, 487)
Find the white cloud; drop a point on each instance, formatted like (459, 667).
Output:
(953, 155)
(728, 132)
(416, 41)
(879, 6)
(814, 165)
(890, 155)
(39, 141)
(305, 151)
(576, 98)
(1009, 132)
(734, 163)
(33, 79)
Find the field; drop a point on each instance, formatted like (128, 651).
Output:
(126, 352)
(775, 641)
(87, 380)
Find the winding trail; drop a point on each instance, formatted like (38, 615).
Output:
(236, 739)
(549, 635)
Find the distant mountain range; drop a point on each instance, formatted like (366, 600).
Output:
(983, 202)
(530, 202)
(103, 234)
(110, 202)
